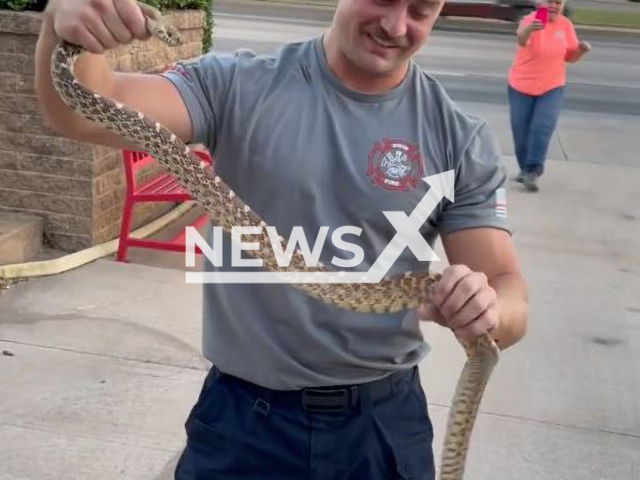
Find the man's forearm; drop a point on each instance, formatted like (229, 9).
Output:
(92, 70)
(513, 300)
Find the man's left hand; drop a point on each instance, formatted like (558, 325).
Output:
(464, 302)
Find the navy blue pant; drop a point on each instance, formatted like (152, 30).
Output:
(533, 121)
(376, 431)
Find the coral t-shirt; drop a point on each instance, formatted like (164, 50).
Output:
(540, 65)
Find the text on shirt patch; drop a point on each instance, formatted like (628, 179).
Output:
(394, 165)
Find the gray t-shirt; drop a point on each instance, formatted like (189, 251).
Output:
(303, 150)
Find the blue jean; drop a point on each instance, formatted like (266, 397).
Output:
(375, 431)
(533, 121)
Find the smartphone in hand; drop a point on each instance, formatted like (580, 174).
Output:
(542, 14)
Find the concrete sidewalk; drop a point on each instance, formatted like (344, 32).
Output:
(101, 365)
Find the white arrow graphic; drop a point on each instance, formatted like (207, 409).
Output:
(408, 227)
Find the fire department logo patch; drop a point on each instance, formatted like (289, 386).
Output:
(394, 165)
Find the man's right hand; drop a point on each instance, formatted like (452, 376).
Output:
(97, 25)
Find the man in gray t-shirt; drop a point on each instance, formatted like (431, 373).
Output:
(304, 150)
(327, 134)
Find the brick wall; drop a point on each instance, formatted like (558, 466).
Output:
(77, 188)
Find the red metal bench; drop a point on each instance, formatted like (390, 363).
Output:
(163, 187)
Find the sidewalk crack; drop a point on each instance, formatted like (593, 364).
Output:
(564, 150)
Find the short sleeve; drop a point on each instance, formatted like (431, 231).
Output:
(572, 37)
(480, 198)
(203, 84)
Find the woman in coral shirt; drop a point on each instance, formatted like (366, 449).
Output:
(536, 85)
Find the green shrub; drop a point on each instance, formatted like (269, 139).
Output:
(162, 5)
(17, 4)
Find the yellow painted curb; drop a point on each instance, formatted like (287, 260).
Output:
(17, 271)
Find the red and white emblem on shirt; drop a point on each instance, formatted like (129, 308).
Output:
(394, 165)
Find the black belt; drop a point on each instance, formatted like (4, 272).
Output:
(336, 399)
(328, 399)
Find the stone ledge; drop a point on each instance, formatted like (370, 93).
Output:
(23, 23)
(185, 19)
(29, 23)
(20, 237)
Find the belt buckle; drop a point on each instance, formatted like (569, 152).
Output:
(328, 399)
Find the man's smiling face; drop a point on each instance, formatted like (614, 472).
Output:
(380, 36)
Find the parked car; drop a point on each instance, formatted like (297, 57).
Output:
(507, 10)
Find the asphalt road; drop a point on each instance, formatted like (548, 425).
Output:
(472, 65)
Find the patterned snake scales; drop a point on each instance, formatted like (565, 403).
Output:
(390, 294)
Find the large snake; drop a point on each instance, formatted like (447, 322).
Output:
(390, 294)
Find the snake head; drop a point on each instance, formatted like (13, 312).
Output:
(170, 35)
